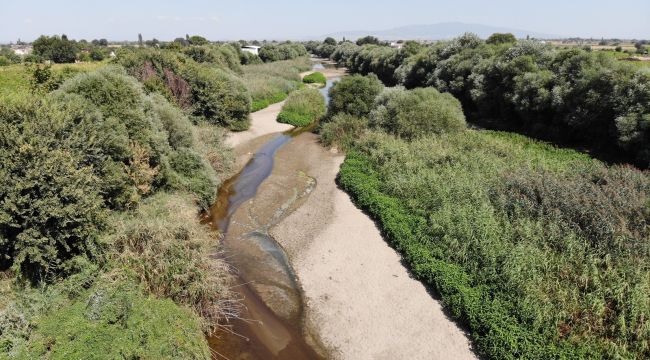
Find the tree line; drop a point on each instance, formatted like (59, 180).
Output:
(574, 95)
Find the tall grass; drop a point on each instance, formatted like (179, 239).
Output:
(302, 108)
(272, 82)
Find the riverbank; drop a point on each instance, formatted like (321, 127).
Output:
(360, 300)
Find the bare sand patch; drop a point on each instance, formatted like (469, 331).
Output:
(360, 301)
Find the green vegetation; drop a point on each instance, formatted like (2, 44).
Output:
(570, 95)
(354, 95)
(204, 90)
(539, 251)
(272, 82)
(413, 113)
(115, 319)
(16, 81)
(101, 246)
(303, 107)
(343, 130)
(501, 38)
(284, 51)
(505, 229)
(315, 78)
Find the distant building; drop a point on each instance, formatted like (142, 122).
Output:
(22, 50)
(397, 45)
(251, 49)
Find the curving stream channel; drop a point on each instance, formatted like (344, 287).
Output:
(273, 321)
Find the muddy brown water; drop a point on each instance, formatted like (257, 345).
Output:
(265, 332)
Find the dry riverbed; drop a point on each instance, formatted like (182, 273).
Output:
(359, 300)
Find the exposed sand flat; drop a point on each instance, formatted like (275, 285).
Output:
(360, 300)
(263, 122)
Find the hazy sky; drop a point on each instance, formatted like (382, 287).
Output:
(284, 19)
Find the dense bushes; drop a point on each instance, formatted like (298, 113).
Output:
(51, 210)
(559, 94)
(302, 108)
(285, 51)
(414, 113)
(98, 142)
(538, 250)
(223, 56)
(56, 48)
(315, 78)
(202, 89)
(218, 97)
(354, 95)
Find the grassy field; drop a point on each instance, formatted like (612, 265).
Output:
(541, 252)
(15, 79)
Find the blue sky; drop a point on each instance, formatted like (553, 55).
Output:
(284, 19)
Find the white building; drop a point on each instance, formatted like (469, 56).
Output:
(22, 50)
(397, 45)
(251, 49)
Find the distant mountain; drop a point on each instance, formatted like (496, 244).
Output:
(438, 31)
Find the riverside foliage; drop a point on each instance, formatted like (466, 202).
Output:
(540, 251)
(568, 95)
(303, 107)
(100, 243)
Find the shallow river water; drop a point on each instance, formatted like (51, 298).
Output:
(264, 271)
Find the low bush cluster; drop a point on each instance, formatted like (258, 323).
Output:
(96, 143)
(413, 113)
(315, 78)
(109, 315)
(285, 51)
(98, 223)
(303, 107)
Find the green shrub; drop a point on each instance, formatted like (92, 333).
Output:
(277, 52)
(303, 107)
(419, 112)
(115, 320)
(176, 124)
(223, 56)
(315, 78)
(193, 174)
(343, 130)
(50, 207)
(132, 145)
(209, 141)
(354, 95)
(218, 97)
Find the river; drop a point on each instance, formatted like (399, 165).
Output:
(272, 325)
